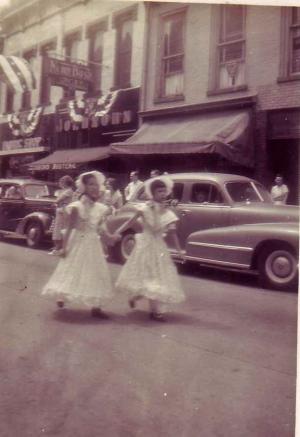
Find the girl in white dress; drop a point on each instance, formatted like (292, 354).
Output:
(82, 275)
(149, 272)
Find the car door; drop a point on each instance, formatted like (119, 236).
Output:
(11, 207)
(204, 207)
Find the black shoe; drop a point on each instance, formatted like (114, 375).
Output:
(132, 303)
(158, 317)
(97, 312)
(60, 303)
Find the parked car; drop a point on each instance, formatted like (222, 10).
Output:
(227, 221)
(27, 209)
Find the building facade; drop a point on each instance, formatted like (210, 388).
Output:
(87, 60)
(204, 62)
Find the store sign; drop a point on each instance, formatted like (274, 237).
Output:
(68, 74)
(60, 166)
(26, 143)
(114, 119)
(284, 125)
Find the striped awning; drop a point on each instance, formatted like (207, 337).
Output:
(17, 74)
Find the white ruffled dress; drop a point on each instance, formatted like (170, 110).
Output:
(83, 276)
(150, 272)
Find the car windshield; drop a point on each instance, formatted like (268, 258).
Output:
(247, 192)
(35, 191)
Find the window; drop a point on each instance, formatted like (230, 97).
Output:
(231, 47)
(290, 44)
(295, 41)
(96, 56)
(123, 53)
(247, 192)
(204, 193)
(172, 55)
(72, 46)
(46, 50)
(31, 59)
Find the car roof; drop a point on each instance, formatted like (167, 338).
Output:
(25, 181)
(203, 176)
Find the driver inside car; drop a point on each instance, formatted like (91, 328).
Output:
(13, 193)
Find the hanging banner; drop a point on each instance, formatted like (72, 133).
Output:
(67, 74)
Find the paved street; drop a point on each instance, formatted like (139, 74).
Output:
(223, 366)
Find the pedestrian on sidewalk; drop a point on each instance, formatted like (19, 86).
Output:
(154, 173)
(82, 275)
(149, 272)
(112, 196)
(280, 191)
(133, 186)
(64, 197)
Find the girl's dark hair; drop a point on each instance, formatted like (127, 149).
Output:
(86, 178)
(67, 181)
(157, 184)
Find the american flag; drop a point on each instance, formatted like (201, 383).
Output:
(17, 74)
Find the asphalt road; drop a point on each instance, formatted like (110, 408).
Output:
(223, 366)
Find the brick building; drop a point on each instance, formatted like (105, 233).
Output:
(80, 51)
(206, 62)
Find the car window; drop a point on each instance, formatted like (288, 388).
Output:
(206, 193)
(243, 192)
(36, 191)
(11, 191)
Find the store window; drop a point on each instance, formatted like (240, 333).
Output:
(31, 58)
(172, 55)
(47, 49)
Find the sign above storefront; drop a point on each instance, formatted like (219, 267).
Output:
(26, 143)
(67, 74)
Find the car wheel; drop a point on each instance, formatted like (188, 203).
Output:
(34, 234)
(122, 250)
(278, 268)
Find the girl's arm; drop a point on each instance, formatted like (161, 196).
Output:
(173, 234)
(71, 223)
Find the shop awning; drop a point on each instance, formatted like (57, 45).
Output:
(226, 133)
(70, 159)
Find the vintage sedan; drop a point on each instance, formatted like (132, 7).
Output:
(230, 222)
(27, 209)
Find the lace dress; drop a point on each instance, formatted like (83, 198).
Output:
(150, 271)
(83, 276)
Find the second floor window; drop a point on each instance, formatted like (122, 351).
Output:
(172, 60)
(31, 59)
(231, 47)
(123, 54)
(47, 49)
(294, 64)
(71, 45)
(96, 56)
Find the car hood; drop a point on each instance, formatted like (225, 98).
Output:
(266, 213)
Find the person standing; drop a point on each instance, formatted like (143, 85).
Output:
(279, 191)
(149, 272)
(154, 173)
(112, 195)
(64, 197)
(82, 274)
(133, 185)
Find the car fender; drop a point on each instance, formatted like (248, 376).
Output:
(44, 218)
(236, 246)
(114, 222)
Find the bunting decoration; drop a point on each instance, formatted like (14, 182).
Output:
(24, 124)
(78, 109)
(17, 74)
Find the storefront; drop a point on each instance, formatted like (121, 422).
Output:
(283, 148)
(25, 138)
(84, 130)
(210, 141)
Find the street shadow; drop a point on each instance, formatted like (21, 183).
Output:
(78, 316)
(141, 318)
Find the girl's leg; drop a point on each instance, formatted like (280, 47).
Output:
(156, 310)
(132, 302)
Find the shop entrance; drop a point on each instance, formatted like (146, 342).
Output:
(283, 158)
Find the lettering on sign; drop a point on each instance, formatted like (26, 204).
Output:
(26, 143)
(68, 74)
(113, 119)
